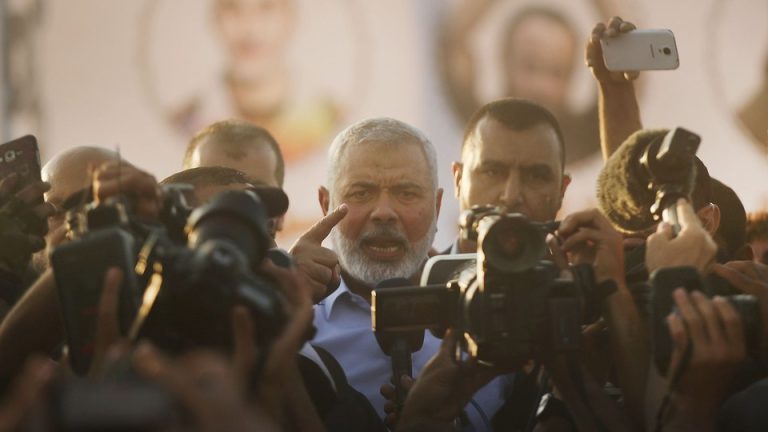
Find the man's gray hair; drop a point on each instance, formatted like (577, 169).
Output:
(384, 130)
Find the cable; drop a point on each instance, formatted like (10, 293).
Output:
(483, 417)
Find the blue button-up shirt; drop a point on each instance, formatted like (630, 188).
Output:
(343, 322)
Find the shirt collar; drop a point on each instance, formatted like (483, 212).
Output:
(341, 292)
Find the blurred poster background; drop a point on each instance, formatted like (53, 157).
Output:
(144, 75)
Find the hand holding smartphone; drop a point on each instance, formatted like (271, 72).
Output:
(21, 201)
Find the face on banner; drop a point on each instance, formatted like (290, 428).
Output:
(264, 75)
(531, 50)
(146, 75)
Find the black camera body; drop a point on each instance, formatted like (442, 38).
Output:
(509, 308)
(666, 280)
(192, 288)
(102, 239)
(178, 295)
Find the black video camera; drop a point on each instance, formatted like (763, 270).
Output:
(101, 237)
(188, 301)
(666, 280)
(509, 308)
(177, 295)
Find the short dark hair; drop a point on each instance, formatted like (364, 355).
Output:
(733, 217)
(208, 176)
(701, 194)
(234, 135)
(516, 114)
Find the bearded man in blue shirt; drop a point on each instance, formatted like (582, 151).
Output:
(383, 200)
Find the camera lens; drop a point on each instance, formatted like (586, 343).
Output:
(666, 51)
(509, 244)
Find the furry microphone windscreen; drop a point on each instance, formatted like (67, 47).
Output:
(622, 186)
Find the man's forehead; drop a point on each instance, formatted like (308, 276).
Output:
(534, 145)
(257, 160)
(212, 147)
(384, 163)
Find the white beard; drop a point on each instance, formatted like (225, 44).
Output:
(372, 272)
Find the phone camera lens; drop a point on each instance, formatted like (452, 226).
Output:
(666, 51)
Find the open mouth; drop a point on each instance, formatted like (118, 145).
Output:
(383, 249)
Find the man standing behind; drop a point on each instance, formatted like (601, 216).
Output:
(512, 155)
(382, 183)
(242, 146)
(239, 145)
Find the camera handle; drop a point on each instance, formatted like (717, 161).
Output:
(665, 206)
(400, 355)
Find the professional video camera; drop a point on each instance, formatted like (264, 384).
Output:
(102, 236)
(178, 295)
(509, 308)
(193, 288)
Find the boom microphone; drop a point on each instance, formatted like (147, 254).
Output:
(645, 177)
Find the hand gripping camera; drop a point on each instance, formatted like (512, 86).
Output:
(508, 308)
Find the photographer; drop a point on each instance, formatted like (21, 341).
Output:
(620, 117)
(696, 383)
(208, 181)
(242, 146)
(209, 391)
(588, 237)
(69, 173)
(34, 324)
(436, 399)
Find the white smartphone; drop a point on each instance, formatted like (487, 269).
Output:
(641, 50)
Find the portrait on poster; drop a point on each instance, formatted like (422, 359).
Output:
(274, 63)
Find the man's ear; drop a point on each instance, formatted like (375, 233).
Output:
(325, 199)
(710, 217)
(279, 222)
(566, 181)
(457, 168)
(438, 202)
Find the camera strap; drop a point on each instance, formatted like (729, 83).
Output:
(577, 376)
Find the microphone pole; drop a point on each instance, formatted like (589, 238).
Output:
(399, 345)
(402, 364)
